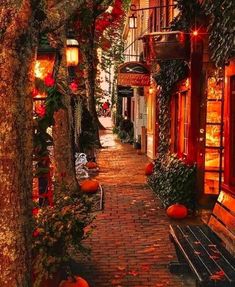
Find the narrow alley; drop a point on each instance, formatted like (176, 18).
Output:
(130, 245)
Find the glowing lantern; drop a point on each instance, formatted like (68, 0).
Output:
(47, 57)
(195, 33)
(45, 62)
(151, 90)
(72, 56)
(133, 21)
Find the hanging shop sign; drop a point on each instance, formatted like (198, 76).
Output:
(165, 46)
(133, 74)
(124, 91)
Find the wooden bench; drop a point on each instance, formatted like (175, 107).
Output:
(208, 250)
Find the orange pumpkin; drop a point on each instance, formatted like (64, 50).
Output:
(89, 186)
(80, 282)
(149, 168)
(177, 211)
(91, 164)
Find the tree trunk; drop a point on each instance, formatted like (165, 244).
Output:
(91, 70)
(63, 137)
(16, 131)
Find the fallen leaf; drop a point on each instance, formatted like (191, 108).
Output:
(133, 273)
(149, 250)
(121, 268)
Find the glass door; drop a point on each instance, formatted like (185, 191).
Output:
(214, 143)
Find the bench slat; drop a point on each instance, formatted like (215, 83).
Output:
(223, 233)
(225, 217)
(200, 252)
(222, 259)
(227, 200)
(195, 264)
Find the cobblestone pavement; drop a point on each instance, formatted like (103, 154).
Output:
(130, 245)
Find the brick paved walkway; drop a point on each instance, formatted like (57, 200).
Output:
(130, 245)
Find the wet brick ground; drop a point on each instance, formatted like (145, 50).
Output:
(130, 245)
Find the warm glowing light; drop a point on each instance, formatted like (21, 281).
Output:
(133, 22)
(195, 33)
(187, 83)
(43, 67)
(151, 90)
(72, 55)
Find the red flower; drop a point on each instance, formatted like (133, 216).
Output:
(36, 233)
(49, 80)
(35, 92)
(73, 86)
(41, 111)
(35, 211)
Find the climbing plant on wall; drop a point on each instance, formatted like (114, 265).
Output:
(221, 15)
(173, 178)
(170, 73)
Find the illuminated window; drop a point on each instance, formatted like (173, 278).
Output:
(179, 123)
(214, 137)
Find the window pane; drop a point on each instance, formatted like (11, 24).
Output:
(212, 159)
(214, 89)
(213, 135)
(213, 112)
(211, 183)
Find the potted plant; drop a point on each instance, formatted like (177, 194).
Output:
(58, 233)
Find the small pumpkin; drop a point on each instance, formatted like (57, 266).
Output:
(149, 168)
(89, 186)
(70, 282)
(91, 164)
(177, 211)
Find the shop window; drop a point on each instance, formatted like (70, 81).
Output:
(179, 123)
(214, 153)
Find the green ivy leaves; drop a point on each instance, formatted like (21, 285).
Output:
(173, 181)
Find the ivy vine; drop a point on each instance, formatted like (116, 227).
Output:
(169, 74)
(173, 178)
(222, 32)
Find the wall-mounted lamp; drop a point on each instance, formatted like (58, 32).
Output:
(133, 21)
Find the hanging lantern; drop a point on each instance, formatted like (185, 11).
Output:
(46, 62)
(133, 21)
(72, 52)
